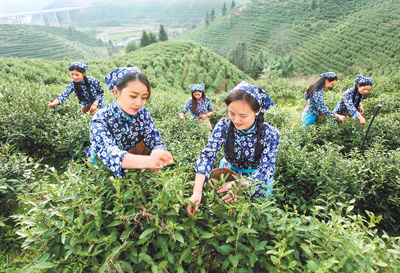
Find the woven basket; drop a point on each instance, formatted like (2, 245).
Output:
(140, 149)
(217, 174)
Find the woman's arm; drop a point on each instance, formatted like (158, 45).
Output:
(65, 94)
(55, 102)
(188, 105)
(197, 193)
(156, 160)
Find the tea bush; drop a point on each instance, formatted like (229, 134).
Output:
(139, 224)
(17, 172)
(372, 179)
(334, 207)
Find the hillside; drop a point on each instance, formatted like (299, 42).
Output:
(173, 14)
(334, 208)
(72, 34)
(24, 41)
(345, 36)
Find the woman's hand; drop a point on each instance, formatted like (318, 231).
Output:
(53, 103)
(340, 117)
(231, 197)
(93, 108)
(195, 199)
(362, 120)
(159, 158)
(203, 116)
(182, 116)
(361, 110)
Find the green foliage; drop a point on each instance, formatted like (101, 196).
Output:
(49, 43)
(145, 39)
(344, 36)
(180, 13)
(333, 208)
(137, 224)
(277, 67)
(238, 56)
(212, 15)
(162, 34)
(131, 46)
(224, 9)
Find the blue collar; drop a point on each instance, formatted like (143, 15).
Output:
(251, 130)
(118, 113)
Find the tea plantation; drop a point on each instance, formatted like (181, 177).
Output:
(48, 43)
(334, 208)
(344, 36)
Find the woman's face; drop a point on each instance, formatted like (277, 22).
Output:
(131, 98)
(329, 84)
(197, 95)
(364, 89)
(76, 76)
(241, 114)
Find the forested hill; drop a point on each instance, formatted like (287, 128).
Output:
(49, 43)
(341, 35)
(171, 64)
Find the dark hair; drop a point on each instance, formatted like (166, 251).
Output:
(357, 103)
(255, 106)
(194, 100)
(319, 84)
(77, 68)
(123, 82)
(78, 87)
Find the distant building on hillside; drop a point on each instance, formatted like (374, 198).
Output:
(105, 37)
(172, 35)
(118, 45)
(136, 39)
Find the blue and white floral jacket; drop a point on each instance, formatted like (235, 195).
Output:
(113, 133)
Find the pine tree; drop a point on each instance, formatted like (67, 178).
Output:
(207, 20)
(238, 57)
(233, 5)
(224, 10)
(313, 4)
(212, 15)
(152, 38)
(162, 34)
(144, 40)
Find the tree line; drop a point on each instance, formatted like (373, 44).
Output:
(147, 39)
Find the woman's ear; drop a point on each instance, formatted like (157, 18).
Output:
(115, 92)
(259, 111)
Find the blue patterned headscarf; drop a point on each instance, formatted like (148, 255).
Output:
(258, 93)
(115, 76)
(197, 87)
(328, 75)
(79, 66)
(363, 80)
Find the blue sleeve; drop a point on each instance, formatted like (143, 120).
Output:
(65, 94)
(348, 101)
(187, 107)
(105, 148)
(152, 138)
(97, 89)
(205, 163)
(320, 104)
(266, 168)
